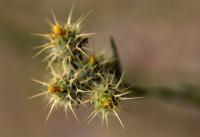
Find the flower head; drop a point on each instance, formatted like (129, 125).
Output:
(63, 90)
(106, 96)
(65, 41)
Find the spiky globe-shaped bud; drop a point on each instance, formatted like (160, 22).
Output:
(65, 41)
(62, 90)
(106, 96)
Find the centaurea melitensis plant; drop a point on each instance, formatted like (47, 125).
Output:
(78, 74)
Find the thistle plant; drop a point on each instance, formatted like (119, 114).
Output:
(79, 75)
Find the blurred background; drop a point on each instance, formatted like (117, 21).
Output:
(159, 46)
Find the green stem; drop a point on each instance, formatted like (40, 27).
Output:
(186, 93)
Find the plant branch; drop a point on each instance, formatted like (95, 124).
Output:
(118, 70)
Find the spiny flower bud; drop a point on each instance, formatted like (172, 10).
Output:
(106, 96)
(65, 42)
(63, 90)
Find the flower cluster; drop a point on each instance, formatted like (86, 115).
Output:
(78, 74)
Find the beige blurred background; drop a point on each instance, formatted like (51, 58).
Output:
(158, 43)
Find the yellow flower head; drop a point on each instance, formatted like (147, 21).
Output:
(58, 30)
